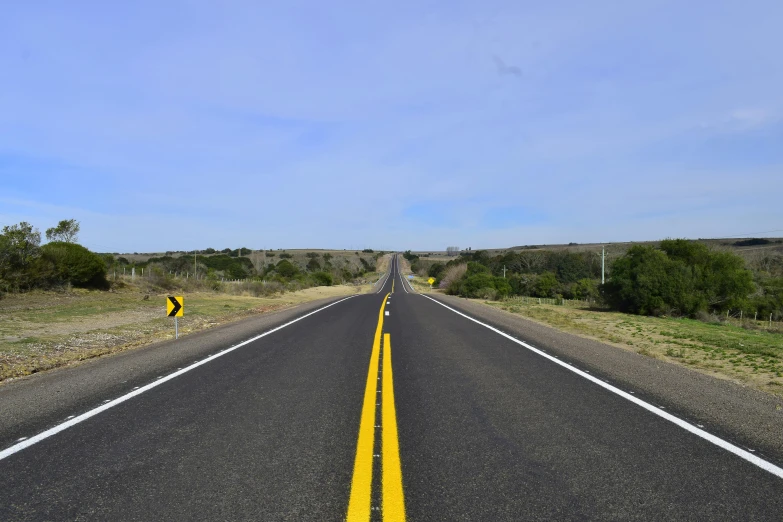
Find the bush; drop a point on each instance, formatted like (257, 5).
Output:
(322, 279)
(503, 287)
(585, 289)
(682, 278)
(286, 269)
(436, 270)
(74, 264)
(546, 285)
(472, 285)
(313, 265)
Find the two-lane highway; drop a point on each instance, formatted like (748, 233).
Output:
(380, 407)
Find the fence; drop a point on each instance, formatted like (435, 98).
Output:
(736, 317)
(772, 322)
(575, 303)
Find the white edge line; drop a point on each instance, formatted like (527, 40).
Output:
(402, 281)
(100, 409)
(746, 455)
(388, 273)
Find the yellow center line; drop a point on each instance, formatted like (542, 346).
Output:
(393, 498)
(361, 484)
(393, 501)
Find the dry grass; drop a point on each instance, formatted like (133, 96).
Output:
(751, 357)
(453, 273)
(44, 330)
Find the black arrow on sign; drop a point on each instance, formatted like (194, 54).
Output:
(176, 308)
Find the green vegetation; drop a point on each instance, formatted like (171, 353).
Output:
(74, 264)
(734, 349)
(680, 278)
(676, 277)
(25, 264)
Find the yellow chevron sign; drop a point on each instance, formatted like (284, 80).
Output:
(175, 306)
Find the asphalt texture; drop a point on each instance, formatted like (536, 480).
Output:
(488, 430)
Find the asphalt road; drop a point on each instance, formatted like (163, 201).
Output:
(486, 429)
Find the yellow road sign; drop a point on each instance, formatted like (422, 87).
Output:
(175, 306)
(431, 280)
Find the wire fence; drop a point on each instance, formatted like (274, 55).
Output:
(574, 303)
(739, 318)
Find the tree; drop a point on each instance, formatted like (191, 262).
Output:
(546, 285)
(532, 261)
(313, 265)
(682, 278)
(75, 264)
(286, 269)
(323, 279)
(66, 231)
(19, 248)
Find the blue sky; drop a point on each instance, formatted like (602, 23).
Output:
(181, 125)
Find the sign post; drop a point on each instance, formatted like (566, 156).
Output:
(430, 281)
(175, 307)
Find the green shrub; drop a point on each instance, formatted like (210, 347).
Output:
(322, 279)
(286, 269)
(585, 289)
(473, 285)
(502, 286)
(682, 278)
(436, 270)
(74, 264)
(546, 285)
(313, 265)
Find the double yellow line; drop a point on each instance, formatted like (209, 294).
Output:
(392, 499)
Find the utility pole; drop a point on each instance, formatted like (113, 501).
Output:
(194, 263)
(603, 263)
(504, 271)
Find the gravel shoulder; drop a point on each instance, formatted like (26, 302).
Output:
(740, 414)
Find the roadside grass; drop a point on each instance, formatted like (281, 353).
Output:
(44, 330)
(421, 285)
(417, 283)
(748, 356)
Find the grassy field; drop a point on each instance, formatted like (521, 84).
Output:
(748, 356)
(44, 330)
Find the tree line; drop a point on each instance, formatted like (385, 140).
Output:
(677, 277)
(26, 264)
